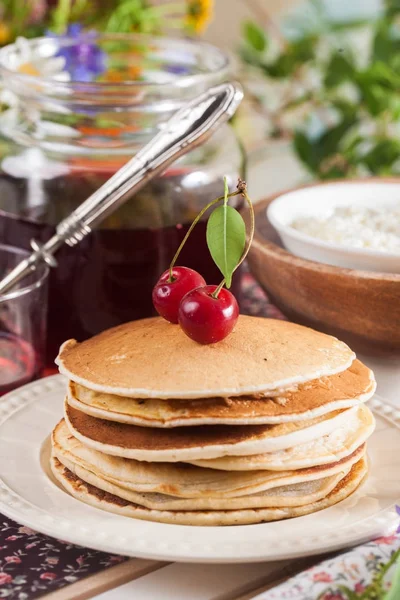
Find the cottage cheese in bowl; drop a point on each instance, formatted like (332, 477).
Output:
(356, 227)
(354, 224)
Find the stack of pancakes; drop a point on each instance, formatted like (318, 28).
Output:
(268, 424)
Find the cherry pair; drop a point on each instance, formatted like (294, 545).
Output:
(185, 298)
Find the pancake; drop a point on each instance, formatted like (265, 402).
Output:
(180, 479)
(98, 498)
(154, 359)
(197, 443)
(328, 449)
(317, 397)
(297, 494)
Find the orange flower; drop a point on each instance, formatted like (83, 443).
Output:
(5, 33)
(134, 72)
(199, 13)
(106, 131)
(113, 76)
(131, 73)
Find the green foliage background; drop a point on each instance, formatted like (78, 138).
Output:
(33, 18)
(341, 104)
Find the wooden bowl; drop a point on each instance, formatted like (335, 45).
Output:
(360, 307)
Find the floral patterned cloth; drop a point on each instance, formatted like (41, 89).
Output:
(254, 301)
(32, 565)
(354, 570)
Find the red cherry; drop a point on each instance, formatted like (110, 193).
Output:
(206, 319)
(167, 295)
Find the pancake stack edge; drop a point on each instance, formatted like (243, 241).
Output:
(280, 434)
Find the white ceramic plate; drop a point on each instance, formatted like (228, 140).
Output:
(30, 496)
(319, 201)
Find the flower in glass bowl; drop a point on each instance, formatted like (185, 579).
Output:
(34, 63)
(31, 62)
(85, 60)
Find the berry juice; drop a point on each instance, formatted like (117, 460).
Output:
(108, 278)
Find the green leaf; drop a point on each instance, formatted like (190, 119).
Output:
(306, 151)
(61, 15)
(382, 44)
(282, 67)
(315, 152)
(392, 8)
(376, 98)
(255, 36)
(333, 173)
(304, 47)
(132, 15)
(396, 109)
(297, 53)
(379, 85)
(382, 156)
(386, 43)
(383, 74)
(350, 595)
(226, 239)
(248, 56)
(395, 61)
(347, 109)
(347, 25)
(298, 101)
(394, 592)
(338, 70)
(351, 147)
(329, 141)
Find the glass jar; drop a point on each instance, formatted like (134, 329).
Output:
(62, 139)
(22, 323)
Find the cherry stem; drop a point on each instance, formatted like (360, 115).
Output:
(243, 191)
(189, 231)
(216, 292)
(252, 227)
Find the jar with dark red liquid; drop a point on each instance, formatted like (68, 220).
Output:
(61, 139)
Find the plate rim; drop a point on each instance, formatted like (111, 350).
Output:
(18, 508)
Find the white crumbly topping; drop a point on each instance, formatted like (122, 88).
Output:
(357, 227)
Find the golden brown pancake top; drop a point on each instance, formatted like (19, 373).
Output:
(152, 358)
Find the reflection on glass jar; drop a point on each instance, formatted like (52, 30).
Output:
(60, 140)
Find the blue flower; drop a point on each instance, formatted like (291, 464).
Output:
(177, 69)
(398, 512)
(84, 61)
